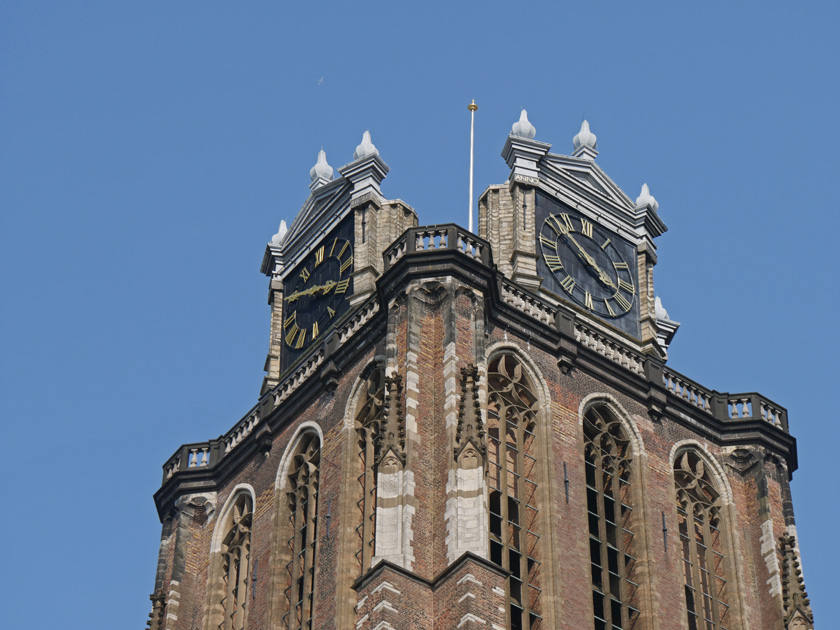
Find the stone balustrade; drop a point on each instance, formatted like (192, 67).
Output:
(527, 302)
(609, 348)
(430, 238)
(724, 406)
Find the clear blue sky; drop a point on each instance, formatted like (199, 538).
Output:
(148, 151)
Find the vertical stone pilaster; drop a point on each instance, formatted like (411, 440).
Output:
(524, 255)
(647, 309)
(275, 338)
(367, 256)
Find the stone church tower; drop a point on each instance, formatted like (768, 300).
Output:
(480, 431)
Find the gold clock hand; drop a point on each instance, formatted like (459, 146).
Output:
(326, 288)
(602, 276)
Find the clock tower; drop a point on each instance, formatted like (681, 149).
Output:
(330, 257)
(561, 227)
(480, 431)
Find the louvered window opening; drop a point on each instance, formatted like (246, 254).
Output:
(610, 514)
(368, 423)
(704, 564)
(303, 518)
(236, 560)
(512, 415)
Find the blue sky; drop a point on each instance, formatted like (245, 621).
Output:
(149, 150)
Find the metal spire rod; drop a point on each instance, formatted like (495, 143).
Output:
(472, 107)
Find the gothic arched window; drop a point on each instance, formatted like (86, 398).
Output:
(512, 411)
(610, 511)
(302, 493)
(236, 563)
(701, 539)
(369, 416)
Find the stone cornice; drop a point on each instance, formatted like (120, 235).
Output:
(722, 418)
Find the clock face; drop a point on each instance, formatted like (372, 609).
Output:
(317, 293)
(588, 264)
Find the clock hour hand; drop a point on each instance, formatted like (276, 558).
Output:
(325, 288)
(587, 258)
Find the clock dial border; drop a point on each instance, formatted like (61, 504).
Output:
(316, 293)
(585, 263)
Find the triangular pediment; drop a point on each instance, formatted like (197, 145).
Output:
(585, 178)
(322, 210)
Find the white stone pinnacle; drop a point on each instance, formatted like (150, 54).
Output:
(281, 231)
(659, 310)
(523, 127)
(646, 199)
(585, 138)
(366, 148)
(321, 169)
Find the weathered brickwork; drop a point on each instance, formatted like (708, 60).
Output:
(431, 321)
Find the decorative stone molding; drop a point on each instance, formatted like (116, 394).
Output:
(470, 429)
(157, 616)
(741, 460)
(797, 606)
(392, 435)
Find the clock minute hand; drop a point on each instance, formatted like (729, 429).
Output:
(325, 288)
(587, 258)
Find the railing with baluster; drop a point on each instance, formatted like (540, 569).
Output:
(193, 456)
(429, 238)
(725, 406)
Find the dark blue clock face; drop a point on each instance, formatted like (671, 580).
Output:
(587, 264)
(317, 292)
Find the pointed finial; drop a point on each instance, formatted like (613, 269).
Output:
(321, 170)
(585, 138)
(366, 148)
(659, 310)
(646, 199)
(281, 231)
(523, 128)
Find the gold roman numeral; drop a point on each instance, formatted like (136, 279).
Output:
(319, 256)
(609, 308)
(290, 336)
(332, 249)
(346, 264)
(331, 312)
(301, 340)
(547, 241)
(607, 242)
(621, 265)
(626, 286)
(341, 287)
(314, 330)
(588, 301)
(622, 302)
(343, 249)
(553, 262)
(305, 274)
(568, 283)
(586, 228)
(561, 228)
(290, 319)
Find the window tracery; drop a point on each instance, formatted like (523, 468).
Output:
(512, 413)
(236, 562)
(303, 519)
(700, 529)
(368, 423)
(609, 476)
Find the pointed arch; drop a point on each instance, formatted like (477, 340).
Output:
(230, 562)
(514, 412)
(295, 541)
(611, 450)
(704, 506)
(368, 415)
